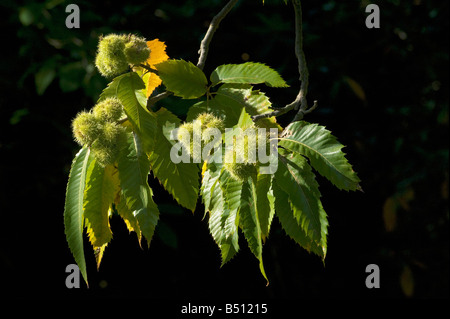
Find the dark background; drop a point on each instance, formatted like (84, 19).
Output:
(382, 92)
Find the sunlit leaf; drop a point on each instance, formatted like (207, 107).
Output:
(295, 177)
(182, 78)
(152, 81)
(249, 221)
(102, 184)
(127, 214)
(134, 167)
(249, 73)
(229, 101)
(181, 180)
(128, 88)
(289, 223)
(73, 207)
(324, 152)
(157, 52)
(157, 55)
(265, 203)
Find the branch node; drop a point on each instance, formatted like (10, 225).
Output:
(152, 100)
(300, 103)
(302, 112)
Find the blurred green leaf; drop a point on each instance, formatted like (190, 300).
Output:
(26, 16)
(167, 235)
(43, 78)
(71, 76)
(17, 116)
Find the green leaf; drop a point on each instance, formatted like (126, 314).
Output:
(134, 166)
(73, 208)
(289, 223)
(181, 180)
(182, 78)
(229, 101)
(222, 222)
(127, 215)
(128, 89)
(245, 120)
(210, 177)
(226, 112)
(249, 72)
(43, 78)
(249, 221)
(265, 203)
(102, 185)
(295, 177)
(213, 189)
(228, 221)
(324, 152)
(229, 248)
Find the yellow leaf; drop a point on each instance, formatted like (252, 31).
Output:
(98, 253)
(390, 214)
(405, 198)
(157, 55)
(127, 215)
(157, 52)
(356, 88)
(153, 81)
(205, 165)
(407, 281)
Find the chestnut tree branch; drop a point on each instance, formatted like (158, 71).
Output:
(152, 100)
(203, 51)
(204, 45)
(300, 103)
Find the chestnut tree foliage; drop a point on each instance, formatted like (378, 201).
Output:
(123, 140)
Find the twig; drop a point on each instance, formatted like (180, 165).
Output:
(303, 112)
(122, 120)
(148, 68)
(300, 103)
(152, 100)
(203, 51)
(302, 68)
(276, 112)
(204, 45)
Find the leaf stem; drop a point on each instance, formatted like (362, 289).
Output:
(123, 120)
(148, 68)
(152, 100)
(204, 45)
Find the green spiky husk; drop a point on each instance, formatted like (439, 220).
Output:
(109, 109)
(85, 128)
(136, 50)
(111, 60)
